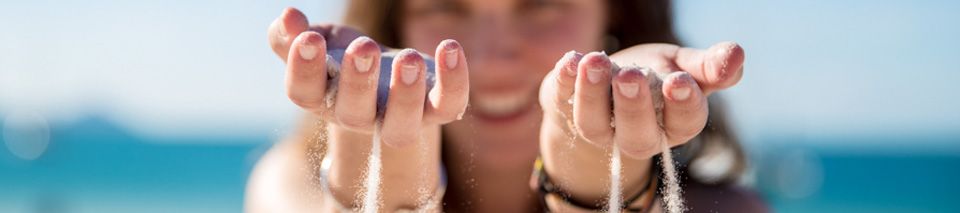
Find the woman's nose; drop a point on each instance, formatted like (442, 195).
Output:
(494, 39)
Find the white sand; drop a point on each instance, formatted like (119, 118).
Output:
(371, 182)
(616, 195)
(671, 190)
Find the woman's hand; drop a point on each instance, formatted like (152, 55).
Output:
(607, 109)
(411, 120)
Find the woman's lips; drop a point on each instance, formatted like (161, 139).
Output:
(501, 107)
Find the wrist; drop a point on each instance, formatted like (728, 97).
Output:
(582, 170)
(429, 199)
(406, 182)
(556, 199)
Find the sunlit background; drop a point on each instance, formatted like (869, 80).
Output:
(164, 106)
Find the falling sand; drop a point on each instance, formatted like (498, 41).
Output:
(671, 191)
(616, 196)
(372, 176)
(372, 179)
(371, 182)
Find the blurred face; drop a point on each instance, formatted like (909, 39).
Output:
(510, 46)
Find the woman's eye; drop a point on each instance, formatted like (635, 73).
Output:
(541, 12)
(439, 15)
(438, 7)
(532, 5)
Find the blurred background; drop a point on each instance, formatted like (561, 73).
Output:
(165, 106)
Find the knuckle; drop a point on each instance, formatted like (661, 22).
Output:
(637, 148)
(305, 101)
(400, 138)
(594, 134)
(355, 121)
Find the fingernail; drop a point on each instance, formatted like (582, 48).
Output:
(594, 74)
(452, 49)
(570, 67)
(629, 89)
(683, 86)
(282, 30)
(307, 50)
(362, 63)
(681, 93)
(596, 67)
(409, 73)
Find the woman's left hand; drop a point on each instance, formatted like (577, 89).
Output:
(608, 109)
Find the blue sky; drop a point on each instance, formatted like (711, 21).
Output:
(814, 68)
(880, 68)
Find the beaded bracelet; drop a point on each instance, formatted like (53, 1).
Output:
(546, 188)
(431, 203)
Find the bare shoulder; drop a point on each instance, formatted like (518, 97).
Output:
(278, 180)
(723, 198)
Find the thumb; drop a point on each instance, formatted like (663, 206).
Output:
(284, 29)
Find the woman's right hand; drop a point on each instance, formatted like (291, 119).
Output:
(412, 119)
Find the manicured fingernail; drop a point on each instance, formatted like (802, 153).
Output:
(409, 73)
(362, 63)
(409, 60)
(362, 60)
(594, 74)
(681, 93)
(683, 86)
(596, 67)
(452, 49)
(629, 89)
(308, 51)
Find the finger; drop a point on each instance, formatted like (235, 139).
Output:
(565, 76)
(282, 31)
(637, 130)
(448, 98)
(557, 90)
(685, 108)
(591, 105)
(356, 106)
(404, 109)
(717, 68)
(306, 72)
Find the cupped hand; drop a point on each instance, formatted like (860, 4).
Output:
(599, 100)
(607, 104)
(304, 47)
(412, 115)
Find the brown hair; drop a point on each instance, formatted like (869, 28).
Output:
(379, 19)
